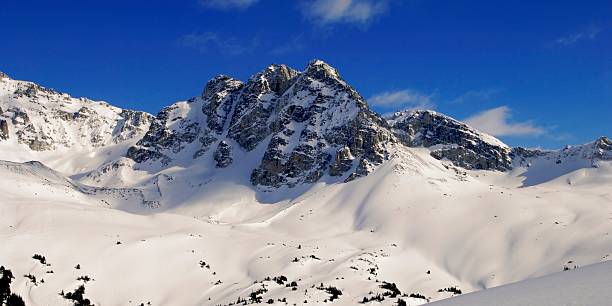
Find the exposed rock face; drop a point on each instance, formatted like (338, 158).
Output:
(342, 163)
(170, 132)
(223, 155)
(132, 124)
(603, 148)
(319, 115)
(140, 155)
(221, 93)
(257, 103)
(452, 140)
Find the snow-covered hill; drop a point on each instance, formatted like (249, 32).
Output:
(287, 188)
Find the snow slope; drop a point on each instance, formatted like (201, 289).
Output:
(395, 225)
(587, 286)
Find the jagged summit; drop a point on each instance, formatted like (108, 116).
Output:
(309, 124)
(321, 69)
(217, 84)
(604, 143)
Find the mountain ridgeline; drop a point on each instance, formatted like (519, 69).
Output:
(303, 126)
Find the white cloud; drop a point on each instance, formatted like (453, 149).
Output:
(406, 98)
(346, 11)
(209, 41)
(476, 95)
(496, 122)
(588, 34)
(227, 4)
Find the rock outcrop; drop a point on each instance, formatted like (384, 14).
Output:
(257, 104)
(223, 155)
(4, 130)
(451, 139)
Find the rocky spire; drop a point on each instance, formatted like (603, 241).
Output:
(279, 77)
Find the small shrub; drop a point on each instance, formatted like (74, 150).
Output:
(418, 296)
(32, 278)
(40, 258)
(77, 297)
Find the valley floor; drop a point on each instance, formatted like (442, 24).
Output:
(402, 232)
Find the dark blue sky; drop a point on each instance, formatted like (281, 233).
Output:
(534, 73)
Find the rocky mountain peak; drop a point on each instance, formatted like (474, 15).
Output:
(319, 69)
(275, 78)
(604, 143)
(279, 77)
(218, 84)
(310, 124)
(3, 75)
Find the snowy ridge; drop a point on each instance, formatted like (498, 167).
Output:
(42, 124)
(451, 139)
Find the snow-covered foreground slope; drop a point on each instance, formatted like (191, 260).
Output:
(587, 286)
(410, 222)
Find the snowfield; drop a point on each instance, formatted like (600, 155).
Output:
(408, 223)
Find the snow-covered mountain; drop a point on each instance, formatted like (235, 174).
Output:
(286, 187)
(308, 124)
(43, 124)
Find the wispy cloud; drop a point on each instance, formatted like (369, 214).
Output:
(210, 41)
(343, 11)
(227, 4)
(295, 44)
(588, 34)
(476, 95)
(497, 122)
(405, 99)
